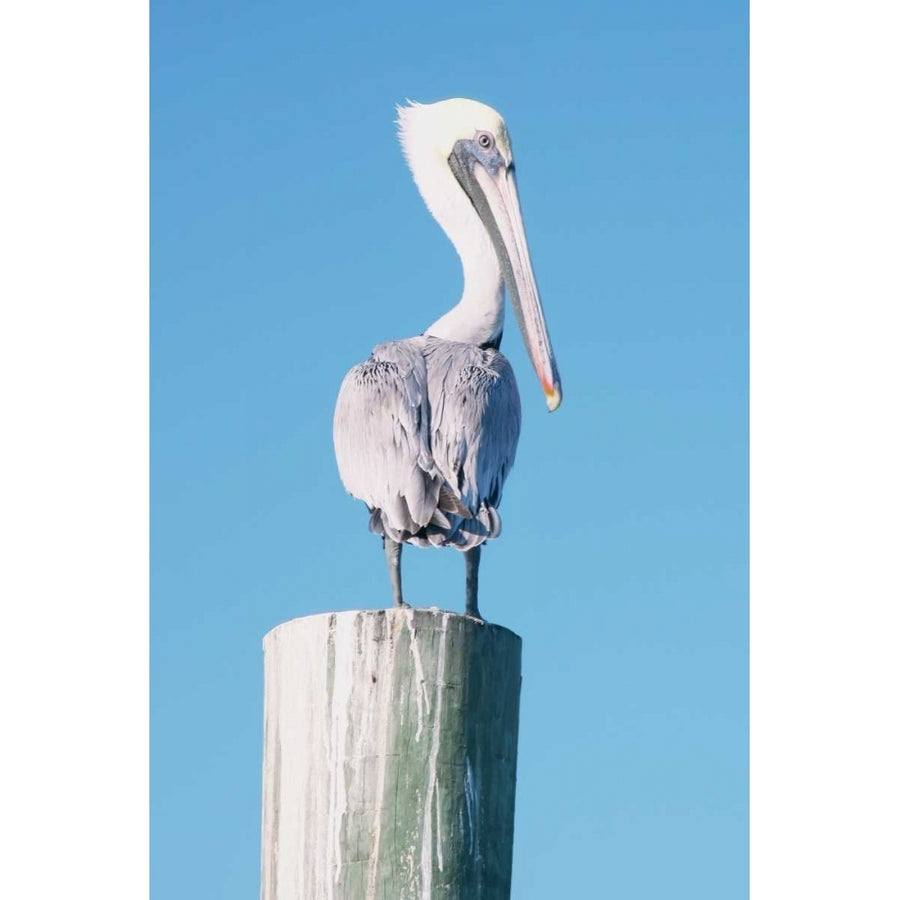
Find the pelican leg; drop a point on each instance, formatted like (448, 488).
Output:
(392, 552)
(473, 558)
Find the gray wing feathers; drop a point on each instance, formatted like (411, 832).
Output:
(425, 433)
(475, 423)
(381, 436)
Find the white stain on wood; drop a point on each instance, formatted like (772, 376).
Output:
(471, 806)
(362, 799)
(341, 631)
(428, 850)
(382, 711)
(421, 690)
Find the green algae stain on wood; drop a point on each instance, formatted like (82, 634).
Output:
(390, 757)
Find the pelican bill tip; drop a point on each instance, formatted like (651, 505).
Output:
(554, 398)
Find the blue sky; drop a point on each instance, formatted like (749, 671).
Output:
(287, 239)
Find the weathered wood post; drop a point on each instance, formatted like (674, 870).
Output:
(389, 765)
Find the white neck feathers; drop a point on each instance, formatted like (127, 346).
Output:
(478, 317)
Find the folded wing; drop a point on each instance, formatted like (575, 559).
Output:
(475, 424)
(425, 433)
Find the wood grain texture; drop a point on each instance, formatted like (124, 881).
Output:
(389, 765)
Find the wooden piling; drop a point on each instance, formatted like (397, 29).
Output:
(389, 765)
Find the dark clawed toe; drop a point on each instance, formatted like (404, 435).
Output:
(475, 616)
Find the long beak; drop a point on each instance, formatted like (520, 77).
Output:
(493, 193)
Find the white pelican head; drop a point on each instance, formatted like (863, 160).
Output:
(461, 159)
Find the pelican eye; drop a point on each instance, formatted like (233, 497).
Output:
(485, 140)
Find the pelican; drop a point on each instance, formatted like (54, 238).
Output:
(425, 430)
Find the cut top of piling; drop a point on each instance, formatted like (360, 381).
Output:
(419, 616)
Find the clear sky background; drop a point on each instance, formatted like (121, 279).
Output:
(287, 239)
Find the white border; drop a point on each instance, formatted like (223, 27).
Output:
(824, 451)
(74, 451)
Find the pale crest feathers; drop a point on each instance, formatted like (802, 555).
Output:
(428, 132)
(433, 128)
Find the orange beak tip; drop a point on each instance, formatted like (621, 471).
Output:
(554, 398)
